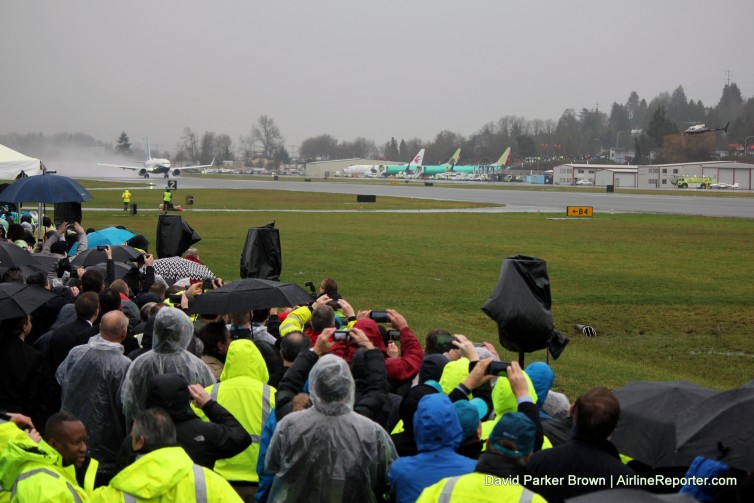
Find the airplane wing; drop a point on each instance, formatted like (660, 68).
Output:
(133, 168)
(187, 168)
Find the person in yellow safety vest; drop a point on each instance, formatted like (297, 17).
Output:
(10, 430)
(163, 472)
(167, 200)
(500, 473)
(242, 390)
(40, 472)
(126, 199)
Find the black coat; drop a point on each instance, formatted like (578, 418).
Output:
(582, 456)
(205, 443)
(370, 381)
(24, 380)
(66, 337)
(223, 437)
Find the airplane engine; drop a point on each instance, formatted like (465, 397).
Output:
(143, 172)
(176, 172)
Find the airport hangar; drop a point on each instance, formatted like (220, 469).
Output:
(653, 176)
(326, 169)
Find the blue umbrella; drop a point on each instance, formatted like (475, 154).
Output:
(45, 189)
(108, 236)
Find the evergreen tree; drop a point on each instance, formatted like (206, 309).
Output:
(123, 145)
(660, 126)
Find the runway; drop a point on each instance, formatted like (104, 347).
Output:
(546, 200)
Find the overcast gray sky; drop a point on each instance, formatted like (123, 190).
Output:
(352, 68)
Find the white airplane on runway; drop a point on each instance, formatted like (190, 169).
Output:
(155, 165)
(723, 185)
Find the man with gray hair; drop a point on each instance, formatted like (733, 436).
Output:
(163, 472)
(90, 378)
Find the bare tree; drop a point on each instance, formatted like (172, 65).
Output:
(267, 134)
(190, 144)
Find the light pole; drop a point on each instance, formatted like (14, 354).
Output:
(746, 142)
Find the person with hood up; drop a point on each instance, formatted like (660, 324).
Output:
(42, 472)
(173, 332)
(163, 472)
(243, 391)
(499, 475)
(328, 452)
(557, 430)
(438, 434)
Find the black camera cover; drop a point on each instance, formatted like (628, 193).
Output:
(521, 307)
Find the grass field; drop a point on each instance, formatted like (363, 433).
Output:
(670, 297)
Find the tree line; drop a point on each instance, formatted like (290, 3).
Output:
(637, 125)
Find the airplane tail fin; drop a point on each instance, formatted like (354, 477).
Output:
(726, 127)
(454, 158)
(418, 159)
(503, 158)
(149, 151)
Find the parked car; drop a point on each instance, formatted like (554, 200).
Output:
(584, 181)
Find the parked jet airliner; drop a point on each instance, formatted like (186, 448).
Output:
(376, 169)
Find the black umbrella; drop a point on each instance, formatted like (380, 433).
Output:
(720, 427)
(631, 496)
(121, 269)
(17, 299)
(45, 189)
(93, 256)
(648, 412)
(46, 262)
(13, 256)
(248, 294)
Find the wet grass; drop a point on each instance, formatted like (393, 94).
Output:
(669, 296)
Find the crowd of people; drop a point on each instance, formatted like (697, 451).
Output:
(110, 391)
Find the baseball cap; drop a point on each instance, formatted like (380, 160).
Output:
(516, 428)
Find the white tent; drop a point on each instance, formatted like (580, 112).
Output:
(12, 163)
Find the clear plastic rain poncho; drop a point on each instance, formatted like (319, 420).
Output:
(173, 331)
(91, 378)
(329, 452)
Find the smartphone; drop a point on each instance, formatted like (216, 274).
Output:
(341, 335)
(393, 335)
(102, 248)
(478, 344)
(175, 298)
(498, 368)
(379, 316)
(207, 284)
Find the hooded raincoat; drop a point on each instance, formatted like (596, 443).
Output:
(329, 452)
(34, 472)
(542, 378)
(438, 433)
(91, 377)
(173, 331)
(166, 475)
(242, 392)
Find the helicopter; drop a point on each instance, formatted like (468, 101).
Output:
(701, 129)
